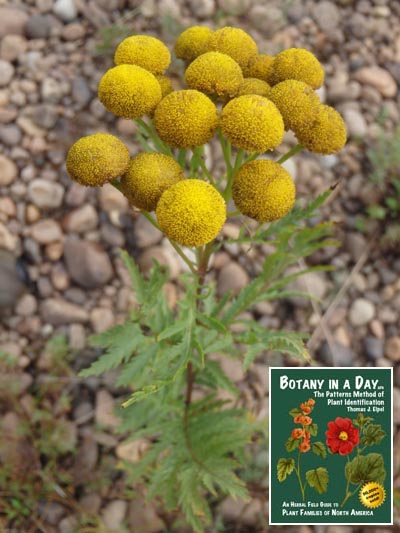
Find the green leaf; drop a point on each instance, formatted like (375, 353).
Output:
(319, 449)
(119, 342)
(292, 444)
(284, 468)
(173, 330)
(318, 479)
(211, 322)
(365, 468)
(252, 351)
(213, 376)
(136, 276)
(313, 429)
(377, 212)
(294, 412)
(373, 434)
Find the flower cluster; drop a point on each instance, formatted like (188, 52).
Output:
(249, 98)
(303, 434)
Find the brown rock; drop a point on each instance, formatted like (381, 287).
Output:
(232, 277)
(379, 78)
(392, 348)
(46, 231)
(101, 319)
(87, 263)
(12, 21)
(105, 410)
(142, 517)
(8, 171)
(58, 311)
(81, 220)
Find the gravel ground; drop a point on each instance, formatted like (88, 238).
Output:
(52, 55)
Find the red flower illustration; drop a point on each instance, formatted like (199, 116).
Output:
(342, 436)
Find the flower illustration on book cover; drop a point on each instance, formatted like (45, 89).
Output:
(344, 437)
(302, 441)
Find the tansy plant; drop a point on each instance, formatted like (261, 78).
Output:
(195, 439)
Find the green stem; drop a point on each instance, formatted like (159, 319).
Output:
(226, 150)
(296, 149)
(299, 477)
(149, 130)
(181, 158)
(205, 170)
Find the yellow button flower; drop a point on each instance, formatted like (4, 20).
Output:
(297, 64)
(263, 190)
(145, 51)
(253, 123)
(148, 176)
(165, 84)
(259, 67)
(233, 42)
(296, 101)
(214, 73)
(129, 91)
(96, 159)
(192, 42)
(191, 212)
(254, 86)
(187, 118)
(325, 134)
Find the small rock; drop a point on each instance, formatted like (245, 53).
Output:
(91, 503)
(101, 319)
(81, 92)
(81, 220)
(11, 281)
(132, 451)
(73, 31)
(45, 194)
(361, 312)
(6, 72)
(65, 10)
(76, 336)
(235, 7)
(356, 124)
(12, 46)
(396, 405)
(87, 263)
(46, 231)
(233, 509)
(58, 312)
(202, 8)
(26, 305)
(342, 355)
(69, 524)
(114, 514)
(313, 283)
(373, 348)
(162, 256)
(12, 21)
(38, 27)
(326, 15)
(355, 244)
(112, 200)
(10, 134)
(51, 91)
(104, 414)
(7, 207)
(379, 78)
(392, 349)
(45, 116)
(145, 233)
(52, 512)
(148, 8)
(86, 460)
(8, 114)
(8, 241)
(268, 21)
(76, 195)
(232, 277)
(8, 171)
(143, 517)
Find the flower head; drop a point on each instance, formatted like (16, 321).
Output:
(305, 420)
(235, 43)
(297, 433)
(145, 51)
(214, 73)
(306, 409)
(254, 86)
(253, 123)
(305, 446)
(296, 64)
(325, 133)
(96, 159)
(187, 118)
(129, 91)
(165, 84)
(191, 212)
(296, 101)
(259, 66)
(265, 191)
(342, 436)
(192, 42)
(147, 177)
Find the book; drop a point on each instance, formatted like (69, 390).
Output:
(331, 451)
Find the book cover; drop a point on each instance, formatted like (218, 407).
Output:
(331, 451)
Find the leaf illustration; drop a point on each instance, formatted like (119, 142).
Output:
(284, 468)
(366, 468)
(292, 444)
(319, 449)
(294, 412)
(313, 429)
(318, 479)
(373, 434)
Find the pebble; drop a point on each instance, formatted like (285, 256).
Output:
(101, 319)
(392, 349)
(268, 21)
(143, 517)
(12, 21)
(342, 355)
(38, 27)
(11, 283)
(202, 8)
(51, 91)
(235, 7)
(355, 244)
(374, 348)
(12, 46)
(8, 115)
(313, 283)
(10, 134)
(76, 336)
(45, 194)
(8, 171)
(59, 311)
(104, 413)
(396, 405)
(379, 78)
(65, 10)
(26, 306)
(361, 312)
(232, 277)
(87, 263)
(45, 116)
(46, 231)
(112, 200)
(113, 515)
(132, 451)
(326, 15)
(355, 122)
(81, 220)
(6, 72)
(73, 31)
(81, 92)
(145, 233)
